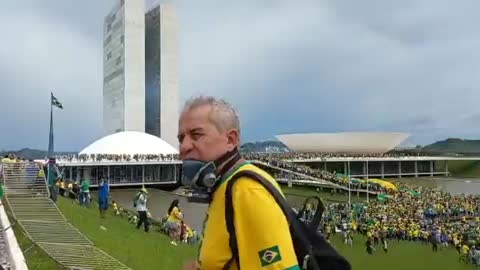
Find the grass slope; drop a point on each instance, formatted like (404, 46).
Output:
(153, 250)
(400, 256)
(135, 248)
(465, 168)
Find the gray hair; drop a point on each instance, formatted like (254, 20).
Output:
(222, 113)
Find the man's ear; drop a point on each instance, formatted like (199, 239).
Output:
(233, 139)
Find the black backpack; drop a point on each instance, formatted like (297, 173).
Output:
(312, 250)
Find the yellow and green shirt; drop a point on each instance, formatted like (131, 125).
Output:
(263, 235)
(175, 215)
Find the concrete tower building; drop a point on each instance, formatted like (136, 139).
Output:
(140, 66)
(124, 68)
(161, 73)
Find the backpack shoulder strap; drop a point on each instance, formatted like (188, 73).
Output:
(230, 211)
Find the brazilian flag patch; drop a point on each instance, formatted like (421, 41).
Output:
(270, 255)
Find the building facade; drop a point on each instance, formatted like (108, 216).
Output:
(124, 68)
(161, 73)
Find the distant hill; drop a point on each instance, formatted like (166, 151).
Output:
(28, 153)
(454, 145)
(445, 147)
(265, 146)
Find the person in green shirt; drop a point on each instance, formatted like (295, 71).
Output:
(85, 193)
(1, 192)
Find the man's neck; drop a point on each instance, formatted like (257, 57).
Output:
(229, 170)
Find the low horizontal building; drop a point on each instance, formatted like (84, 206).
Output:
(125, 159)
(361, 154)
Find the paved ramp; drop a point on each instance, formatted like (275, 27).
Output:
(27, 195)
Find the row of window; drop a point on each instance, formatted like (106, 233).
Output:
(112, 75)
(109, 38)
(118, 61)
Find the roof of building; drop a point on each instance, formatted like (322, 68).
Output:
(343, 142)
(130, 143)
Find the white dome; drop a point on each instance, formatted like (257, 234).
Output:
(130, 143)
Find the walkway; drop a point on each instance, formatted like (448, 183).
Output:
(27, 196)
(309, 180)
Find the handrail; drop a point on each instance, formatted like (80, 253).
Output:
(45, 179)
(46, 226)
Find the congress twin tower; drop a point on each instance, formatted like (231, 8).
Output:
(140, 67)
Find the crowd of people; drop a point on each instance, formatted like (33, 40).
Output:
(172, 224)
(247, 155)
(326, 156)
(116, 158)
(318, 174)
(11, 158)
(411, 213)
(414, 213)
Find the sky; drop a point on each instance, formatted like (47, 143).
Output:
(287, 67)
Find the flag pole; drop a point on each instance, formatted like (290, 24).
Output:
(50, 139)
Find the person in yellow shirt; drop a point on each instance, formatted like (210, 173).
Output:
(464, 253)
(9, 159)
(209, 136)
(6, 159)
(69, 189)
(115, 208)
(61, 187)
(174, 213)
(174, 221)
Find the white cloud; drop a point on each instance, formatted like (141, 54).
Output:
(288, 67)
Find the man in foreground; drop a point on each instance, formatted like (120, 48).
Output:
(209, 133)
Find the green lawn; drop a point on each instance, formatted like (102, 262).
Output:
(139, 250)
(153, 250)
(465, 168)
(135, 248)
(401, 255)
